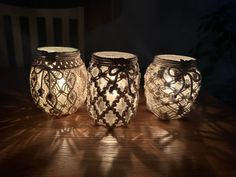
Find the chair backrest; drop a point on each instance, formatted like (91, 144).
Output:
(22, 30)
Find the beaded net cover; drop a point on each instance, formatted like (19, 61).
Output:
(58, 82)
(172, 84)
(113, 89)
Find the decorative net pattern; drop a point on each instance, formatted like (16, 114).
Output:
(171, 88)
(113, 91)
(56, 88)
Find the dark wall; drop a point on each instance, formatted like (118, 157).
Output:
(204, 29)
(165, 26)
(44, 3)
(150, 28)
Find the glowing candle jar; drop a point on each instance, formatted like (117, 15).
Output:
(172, 83)
(113, 88)
(58, 80)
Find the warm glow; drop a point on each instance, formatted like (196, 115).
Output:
(58, 80)
(113, 88)
(61, 82)
(172, 83)
(108, 149)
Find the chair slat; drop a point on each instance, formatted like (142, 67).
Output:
(48, 14)
(49, 30)
(3, 48)
(33, 34)
(81, 32)
(65, 31)
(17, 41)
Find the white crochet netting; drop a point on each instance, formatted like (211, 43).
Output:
(172, 83)
(113, 89)
(58, 91)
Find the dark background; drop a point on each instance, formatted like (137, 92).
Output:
(204, 29)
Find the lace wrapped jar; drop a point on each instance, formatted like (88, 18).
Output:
(113, 88)
(172, 83)
(58, 80)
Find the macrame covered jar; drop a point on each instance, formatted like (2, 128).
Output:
(58, 80)
(172, 83)
(113, 88)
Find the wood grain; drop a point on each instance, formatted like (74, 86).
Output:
(33, 144)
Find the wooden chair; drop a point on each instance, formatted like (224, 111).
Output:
(22, 30)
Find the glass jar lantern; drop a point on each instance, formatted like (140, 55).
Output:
(113, 88)
(58, 80)
(172, 83)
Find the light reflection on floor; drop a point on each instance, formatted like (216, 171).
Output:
(108, 149)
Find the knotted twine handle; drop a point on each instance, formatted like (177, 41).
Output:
(119, 66)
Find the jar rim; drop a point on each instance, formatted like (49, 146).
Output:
(174, 58)
(114, 55)
(171, 59)
(58, 57)
(57, 49)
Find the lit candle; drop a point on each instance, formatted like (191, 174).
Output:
(58, 80)
(61, 82)
(113, 88)
(172, 83)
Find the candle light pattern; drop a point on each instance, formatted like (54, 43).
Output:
(172, 83)
(113, 88)
(58, 80)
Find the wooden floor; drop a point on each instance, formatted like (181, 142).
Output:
(33, 144)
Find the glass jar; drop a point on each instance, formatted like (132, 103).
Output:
(113, 88)
(172, 83)
(58, 80)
